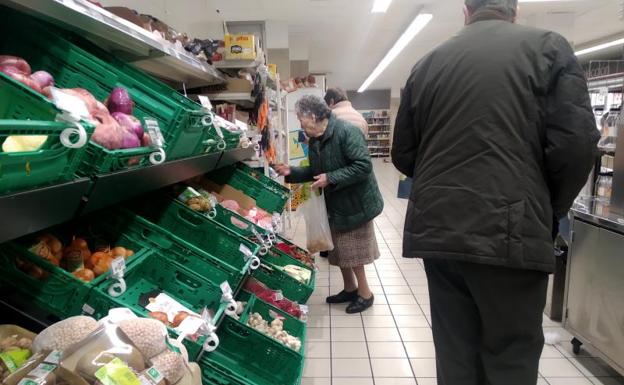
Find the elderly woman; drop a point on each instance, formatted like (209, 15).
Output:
(341, 165)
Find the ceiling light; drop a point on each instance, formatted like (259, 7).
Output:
(381, 6)
(599, 47)
(417, 25)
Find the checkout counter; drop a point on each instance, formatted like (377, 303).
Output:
(593, 310)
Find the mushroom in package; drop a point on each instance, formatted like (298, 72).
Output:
(105, 351)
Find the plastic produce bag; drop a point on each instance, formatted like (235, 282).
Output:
(317, 223)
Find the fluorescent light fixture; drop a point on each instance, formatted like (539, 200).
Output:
(600, 47)
(381, 6)
(417, 25)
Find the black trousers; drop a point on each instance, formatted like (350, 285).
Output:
(487, 322)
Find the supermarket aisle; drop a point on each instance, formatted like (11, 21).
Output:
(391, 344)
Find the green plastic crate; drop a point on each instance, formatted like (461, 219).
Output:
(153, 274)
(271, 257)
(248, 357)
(169, 245)
(269, 194)
(45, 47)
(52, 162)
(197, 229)
(61, 293)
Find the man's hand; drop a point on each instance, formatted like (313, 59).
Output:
(321, 181)
(282, 169)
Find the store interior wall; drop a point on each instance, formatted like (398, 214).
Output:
(281, 58)
(299, 68)
(370, 100)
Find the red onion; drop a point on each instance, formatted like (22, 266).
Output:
(119, 101)
(43, 78)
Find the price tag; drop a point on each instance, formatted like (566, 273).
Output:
(246, 252)
(304, 308)
(27, 381)
(53, 358)
(225, 288)
(87, 309)
(190, 326)
(279, 295)
(153, 130)
(42, 371)
(153, 375)
(205, 101)
(118, 266)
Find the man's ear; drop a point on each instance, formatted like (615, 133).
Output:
(467, 15)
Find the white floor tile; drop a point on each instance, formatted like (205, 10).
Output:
(316, 381)
(396, 381)
(348, 367)
(378, 309)
(399, 310)
(424, 367)
(382, 335)
(349, 350)
(401, 299)
(346, 321)
(416, 334)
(391, 368)
(378, 321)
(316, 349)
(394, 290)
(568, 381)
(318, 334)
(420, 349)
(411, 321)
(317, 367)
(318, 321)
(348, 334)
(558, 367)
(353, 381)
(386, 350)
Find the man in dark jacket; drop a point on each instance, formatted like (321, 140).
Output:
(496, 128)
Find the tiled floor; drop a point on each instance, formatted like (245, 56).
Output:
(391, 344)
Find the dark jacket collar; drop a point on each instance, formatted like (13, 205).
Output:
(487, 14)
(329, 131)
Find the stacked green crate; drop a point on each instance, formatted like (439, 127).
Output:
(52, 288)
(274, 258)
(246, 356)
(44, 47)
(269, 195)
(26, 112)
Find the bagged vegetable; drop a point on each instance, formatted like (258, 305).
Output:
(64, 334)
(318, 233)
(44, 369)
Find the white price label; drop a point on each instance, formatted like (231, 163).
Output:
(153, 130)
(279, 295)
(42, 371)
(304, 308)
(87, 309)
(225, 288)
(154, 375)
(118, 266)
(53, 358)
(205, 101)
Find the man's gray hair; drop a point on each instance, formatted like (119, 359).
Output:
(506, 7)
(312, 106)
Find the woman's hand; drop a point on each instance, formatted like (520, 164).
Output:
(320, 181)
(282, 169)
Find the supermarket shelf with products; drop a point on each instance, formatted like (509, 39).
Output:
(124, 39)
(30, 211)
(379, 131)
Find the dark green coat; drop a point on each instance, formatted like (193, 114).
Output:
(353, 197)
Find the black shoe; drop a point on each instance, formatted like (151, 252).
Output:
(324, 254)
(342, 297)
(360, 304)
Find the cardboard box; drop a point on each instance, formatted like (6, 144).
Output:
(239, 85)
(240, 47)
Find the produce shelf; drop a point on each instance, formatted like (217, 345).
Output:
(242, 99)
(126, 40)
(33, 210)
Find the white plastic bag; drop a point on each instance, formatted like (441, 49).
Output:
(317, 223)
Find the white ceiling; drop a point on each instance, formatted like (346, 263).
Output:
(342, 37)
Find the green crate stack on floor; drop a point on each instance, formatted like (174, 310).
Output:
(246, 356)
(26, 112)
(52, 288)
(45, 47)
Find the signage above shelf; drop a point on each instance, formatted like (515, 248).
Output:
(123, 38)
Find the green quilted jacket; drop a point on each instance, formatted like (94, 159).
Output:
(353, 197)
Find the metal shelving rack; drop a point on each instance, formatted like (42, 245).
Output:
(379, 132)
(123, 38)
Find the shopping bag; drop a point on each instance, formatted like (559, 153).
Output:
(405, 187)
(317, 223)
